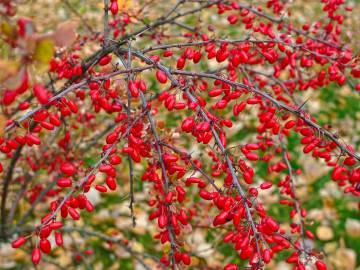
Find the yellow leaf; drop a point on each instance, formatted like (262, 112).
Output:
(124, 4)
(6, 29)
(194, 261)
(44, 50)
(166, 248)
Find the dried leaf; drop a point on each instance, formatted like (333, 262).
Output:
(2, 124)
(344, 259)
(137, 247)
(65, 34)
(352, 227)
(14, 81)
(324, 233)
(8, 69)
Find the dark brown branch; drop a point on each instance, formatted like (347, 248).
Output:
(19, 195)
(7, 180)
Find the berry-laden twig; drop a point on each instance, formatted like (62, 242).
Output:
(196, 109)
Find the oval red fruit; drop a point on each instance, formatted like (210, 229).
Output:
(18, 242)
(41, 94)
(68, 168)
(36, 256)
(161, 76)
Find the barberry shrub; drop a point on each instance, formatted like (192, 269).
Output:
(188, 134)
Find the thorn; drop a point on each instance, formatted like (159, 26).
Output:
(302, 105)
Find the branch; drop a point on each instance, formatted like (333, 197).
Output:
(81, 182)
(106, 22)
(94, 58)
(127, 65)
(287, 26)
(277, 103)
(165, 177)
(69, 89)
(193, 164)
(19, 195)
(236, 183)
(115, 240)
(73, 10)
(7, 180)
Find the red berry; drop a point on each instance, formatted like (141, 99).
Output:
(18, 242)
(232, 19)
(8, 97)
(74, 214)
(186, 259)
(231, 267)
(111, 182)
(320, 265)
(58, 239)
(133, 88)
(64, 182)
(45, 245)
(114, 7)
(36, 256)
(105, 60)
(161, 76)
(101, 188)
(266, 185)
(67, 168)
(114, 160)
(181, 62)
(112, 138)
(41, 94)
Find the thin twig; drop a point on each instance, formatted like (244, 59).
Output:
(293, 191)
(193, 164)
(165, 177)
(115, 240)
(78, 15)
